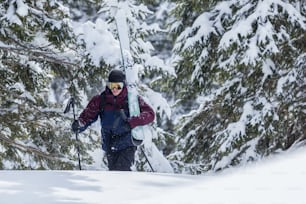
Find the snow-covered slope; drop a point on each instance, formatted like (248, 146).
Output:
(280, 181)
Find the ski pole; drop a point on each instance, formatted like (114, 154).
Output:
(76, 135)
(67, 109)
(147, 159)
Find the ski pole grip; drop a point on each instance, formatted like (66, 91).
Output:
(69, 104)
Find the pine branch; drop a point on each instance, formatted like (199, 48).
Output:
(38, 55)
(29, 149)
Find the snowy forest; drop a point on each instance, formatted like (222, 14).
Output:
(226, 79)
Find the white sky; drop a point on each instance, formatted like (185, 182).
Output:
(280, 180)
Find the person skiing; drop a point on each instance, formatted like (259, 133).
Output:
(116, 124)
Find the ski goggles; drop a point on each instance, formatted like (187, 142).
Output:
(115, 85)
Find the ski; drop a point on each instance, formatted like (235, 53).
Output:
(131, 72)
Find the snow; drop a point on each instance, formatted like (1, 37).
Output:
(100, 43)
(290, 77)
(10, 15)
(157, 102)
(280, 180)
(22, 8)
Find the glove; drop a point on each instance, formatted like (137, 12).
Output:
(75, 126)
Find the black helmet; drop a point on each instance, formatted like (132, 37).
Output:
(116, 75)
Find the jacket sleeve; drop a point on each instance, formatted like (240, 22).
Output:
(90, 113)
(145, 117)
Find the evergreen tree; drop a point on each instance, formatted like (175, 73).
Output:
(242, 61)
(157, 79)
(83, 10)
(38, 52)
(54, 58)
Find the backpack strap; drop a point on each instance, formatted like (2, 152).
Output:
(102, 103)
(126, 103)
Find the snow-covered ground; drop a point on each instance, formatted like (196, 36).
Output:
(281, 180)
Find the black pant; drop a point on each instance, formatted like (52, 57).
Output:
(121, 160)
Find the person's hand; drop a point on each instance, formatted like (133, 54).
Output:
(75, 126)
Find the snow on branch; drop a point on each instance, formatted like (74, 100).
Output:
(38, 54)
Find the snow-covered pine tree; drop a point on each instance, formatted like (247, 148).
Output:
(157, 78)
(82, 11)
(37, 46)
(242, 61)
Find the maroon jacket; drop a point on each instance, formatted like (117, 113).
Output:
(91, 112)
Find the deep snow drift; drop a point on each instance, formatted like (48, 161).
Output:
(280, 180)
